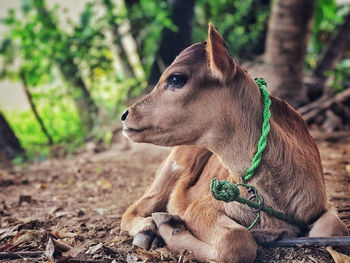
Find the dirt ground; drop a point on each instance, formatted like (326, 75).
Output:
(71, 208)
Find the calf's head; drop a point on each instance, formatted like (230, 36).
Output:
(190, 100)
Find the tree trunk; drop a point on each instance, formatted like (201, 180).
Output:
(334, 52)
(123, 40)
(86, 107)
(288, 34)
(112, 19)
(173, 43)
(33, 107)
(9, 144)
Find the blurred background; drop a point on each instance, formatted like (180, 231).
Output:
(68, 68)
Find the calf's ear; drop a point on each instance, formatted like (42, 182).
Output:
(221, 63)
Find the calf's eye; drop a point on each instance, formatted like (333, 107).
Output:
(176, 81)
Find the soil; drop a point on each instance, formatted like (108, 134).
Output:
(71, 208)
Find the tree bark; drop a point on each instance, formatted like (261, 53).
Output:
(173, 43)
(33, 107)
(288, 34)
(332, 55)
(9, 143)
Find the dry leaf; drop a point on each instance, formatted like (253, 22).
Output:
(9, 231)
(104, 183)
(66, 234)
(147, 255)
(102, 211)
(61, 246)
(40, 185)
(131, 258)
(55, 234)
(337, 256)
(64, 213)
(54, 209)
(50, 249)
(347, 168)
(75, 251)
(95, 248)
(21, 238)
(16, 241)
(118, 240)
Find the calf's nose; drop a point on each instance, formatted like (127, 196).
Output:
(125, 115)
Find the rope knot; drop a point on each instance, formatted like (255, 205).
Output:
(224, 190)
(260, 82)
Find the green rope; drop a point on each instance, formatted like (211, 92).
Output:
(265, 129)
(228, 192)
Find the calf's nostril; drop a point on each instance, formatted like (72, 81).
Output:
(125, 115)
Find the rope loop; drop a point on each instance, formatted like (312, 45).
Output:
(261, 203)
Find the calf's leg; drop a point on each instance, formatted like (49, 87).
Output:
(210, 234)
(137, 220)
(329, 224)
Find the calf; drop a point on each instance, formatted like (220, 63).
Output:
(210, 109)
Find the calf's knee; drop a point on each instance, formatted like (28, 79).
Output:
(237, 245)
(329, 224)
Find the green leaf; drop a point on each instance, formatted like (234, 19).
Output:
(26, 5)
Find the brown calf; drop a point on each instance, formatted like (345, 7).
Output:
(208, 104)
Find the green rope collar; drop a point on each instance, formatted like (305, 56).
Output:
(228, 192)
(265, 129)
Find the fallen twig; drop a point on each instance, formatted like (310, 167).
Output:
(338, 241)
(331, 137)
(21, 254)
(310, 112)
(71, 260)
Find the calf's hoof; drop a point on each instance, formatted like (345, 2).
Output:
(167, 222)
(148, 239)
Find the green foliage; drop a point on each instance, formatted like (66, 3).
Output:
(148, 19)
(328, 16)
(326, 19)
(52, 60)
(60, 119)
(29, 133)
(242, 23)
(341, 75)
(87, 45)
